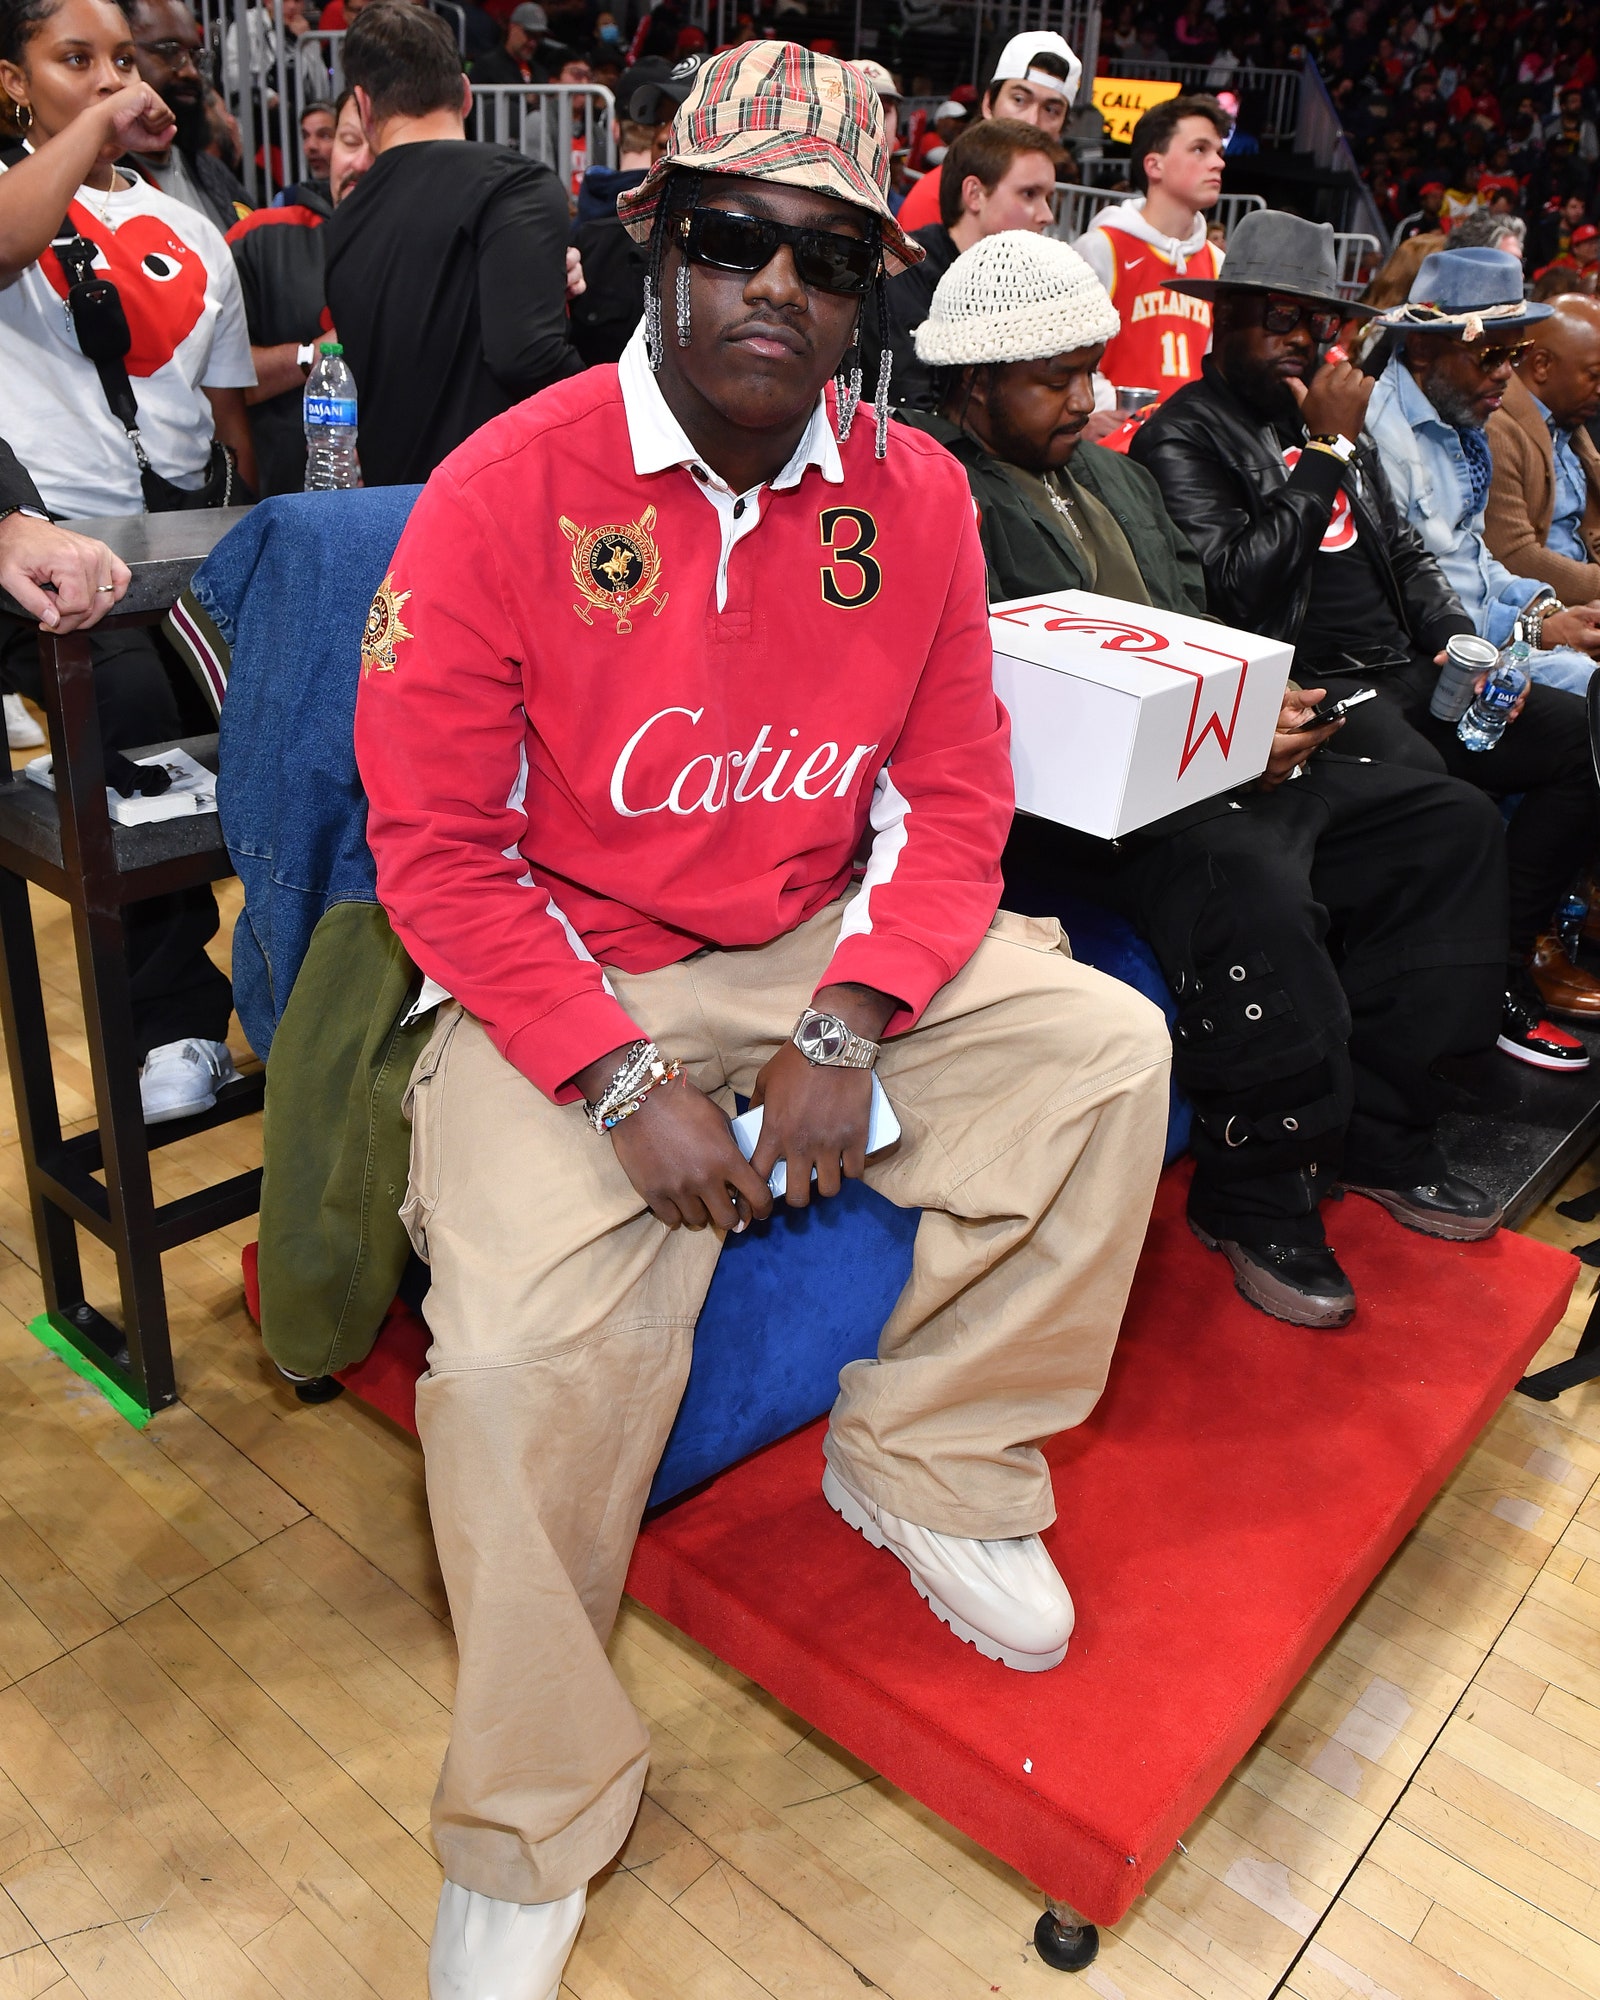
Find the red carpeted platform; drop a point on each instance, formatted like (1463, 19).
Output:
(1238, 1487)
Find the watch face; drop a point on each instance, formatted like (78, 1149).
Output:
(824, 1038)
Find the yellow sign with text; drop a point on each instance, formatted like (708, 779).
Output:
(1123, 100)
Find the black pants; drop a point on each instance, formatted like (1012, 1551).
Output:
(177, 991)
(1329, 943)
(1544, 755)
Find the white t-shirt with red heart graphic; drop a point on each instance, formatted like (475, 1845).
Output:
(180, 291)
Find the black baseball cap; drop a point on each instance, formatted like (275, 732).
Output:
(650, 91)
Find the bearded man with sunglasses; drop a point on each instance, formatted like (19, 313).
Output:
(1458, 340)
(661, 650)
(1265, 465)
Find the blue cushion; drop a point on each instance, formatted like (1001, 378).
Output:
(799, 1296)
(792, 1301)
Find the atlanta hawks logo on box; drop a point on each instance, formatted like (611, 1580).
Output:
(617, 569)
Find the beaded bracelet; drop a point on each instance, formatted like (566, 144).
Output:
(639, 1072)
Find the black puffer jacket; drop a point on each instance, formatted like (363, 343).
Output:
(1256, 525)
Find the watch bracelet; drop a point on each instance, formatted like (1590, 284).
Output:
(1537, 613)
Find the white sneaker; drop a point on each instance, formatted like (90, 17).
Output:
(22, 732)
(1006, 1597)
(181, 1078)
(487, 1950)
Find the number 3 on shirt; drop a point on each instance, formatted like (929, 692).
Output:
(847, 534)
(1175, 355)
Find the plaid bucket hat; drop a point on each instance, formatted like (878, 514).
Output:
(780, 112)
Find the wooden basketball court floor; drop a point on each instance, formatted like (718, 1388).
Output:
(225, 1677)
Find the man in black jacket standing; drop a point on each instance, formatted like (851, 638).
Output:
(447, 266)
(1263, 466)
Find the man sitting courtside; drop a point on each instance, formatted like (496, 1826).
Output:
(1543, 513)
(662, 650)
(1457, 341)
(1306, 1063)
(1263, 467)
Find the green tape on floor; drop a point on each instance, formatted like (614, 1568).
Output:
(126, 1406)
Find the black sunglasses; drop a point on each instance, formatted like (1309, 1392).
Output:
(825, 260)
(1284, 315)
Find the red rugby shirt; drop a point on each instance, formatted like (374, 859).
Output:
(574, 758)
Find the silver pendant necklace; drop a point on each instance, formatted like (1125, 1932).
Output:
(1062, 505)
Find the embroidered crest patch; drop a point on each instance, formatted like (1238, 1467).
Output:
(616, 569)
(385, 628)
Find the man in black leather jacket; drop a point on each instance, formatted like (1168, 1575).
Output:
(1263, 466)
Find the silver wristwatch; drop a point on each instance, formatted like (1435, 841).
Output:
(825, 1040)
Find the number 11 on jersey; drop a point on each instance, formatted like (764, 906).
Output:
(1175, 355)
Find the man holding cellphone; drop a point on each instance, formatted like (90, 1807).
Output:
(1331, 932)
(660, 649)
(1269, 466)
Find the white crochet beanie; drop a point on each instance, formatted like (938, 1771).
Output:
(1015, 297)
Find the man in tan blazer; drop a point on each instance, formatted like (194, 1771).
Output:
(1543, 514)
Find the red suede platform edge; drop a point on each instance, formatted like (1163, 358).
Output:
(1235, 1492)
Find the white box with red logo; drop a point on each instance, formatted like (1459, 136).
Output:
(1121, 714)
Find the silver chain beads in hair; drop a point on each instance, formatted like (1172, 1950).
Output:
(880, 406)
(683, 301)
(652, 326)
(847, 387)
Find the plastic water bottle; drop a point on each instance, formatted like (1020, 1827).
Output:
(330, 421)
(1485, 722)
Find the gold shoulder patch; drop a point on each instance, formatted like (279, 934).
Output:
(616, 569)
(385, 628)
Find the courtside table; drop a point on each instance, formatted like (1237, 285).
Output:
(67, 844)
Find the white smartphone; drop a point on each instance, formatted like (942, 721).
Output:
(883, 1128)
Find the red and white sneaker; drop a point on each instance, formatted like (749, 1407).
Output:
(1525, 1034)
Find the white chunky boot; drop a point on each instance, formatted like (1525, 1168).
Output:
(1004, 1597)
(484, 1949)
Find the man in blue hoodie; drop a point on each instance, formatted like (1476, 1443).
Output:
(604, 315)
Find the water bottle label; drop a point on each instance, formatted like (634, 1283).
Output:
(1499, 697)
(338, 412)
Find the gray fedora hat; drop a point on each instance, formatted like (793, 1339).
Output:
(1273, 251)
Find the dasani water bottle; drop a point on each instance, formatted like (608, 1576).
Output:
(1485, 722)
(330, 421)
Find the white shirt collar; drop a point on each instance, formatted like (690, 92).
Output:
(659, 441)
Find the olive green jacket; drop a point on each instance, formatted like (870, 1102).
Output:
(1028, 551)
(336, 1144)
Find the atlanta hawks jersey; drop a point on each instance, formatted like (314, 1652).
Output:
(1164, 333)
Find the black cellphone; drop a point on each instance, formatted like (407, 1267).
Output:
(1335, 711)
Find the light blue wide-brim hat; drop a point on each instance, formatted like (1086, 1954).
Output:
(1468, 294)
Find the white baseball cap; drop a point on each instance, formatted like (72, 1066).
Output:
(1016, 60)
(880, 77)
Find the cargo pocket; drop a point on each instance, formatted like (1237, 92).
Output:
(421, 1105)
(1032, 933)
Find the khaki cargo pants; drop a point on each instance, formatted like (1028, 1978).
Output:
(1032, 1098)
